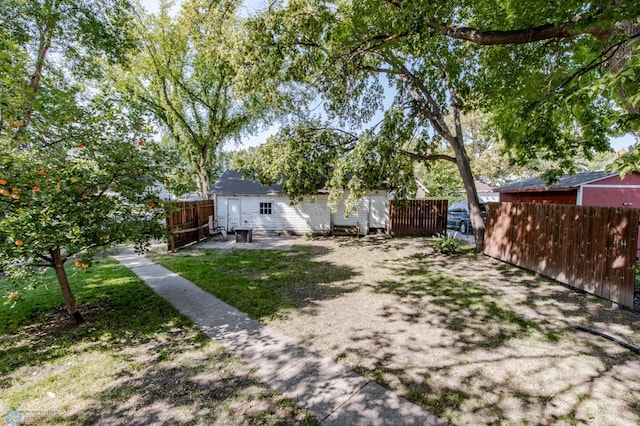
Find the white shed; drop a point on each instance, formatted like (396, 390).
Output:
(245, 203)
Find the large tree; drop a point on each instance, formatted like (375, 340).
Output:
(530, 65)
(75, 169)
(184, 76)
(490, 162)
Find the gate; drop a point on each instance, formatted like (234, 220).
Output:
(188, 222)
(418, 217)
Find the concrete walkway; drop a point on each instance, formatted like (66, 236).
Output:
(333, 393)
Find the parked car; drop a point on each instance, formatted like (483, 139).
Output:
(458, 217)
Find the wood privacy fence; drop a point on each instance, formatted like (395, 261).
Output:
(188, 221)
(418, 217)
(590, 248)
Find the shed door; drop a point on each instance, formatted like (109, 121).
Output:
(378, 212)
(233, 214)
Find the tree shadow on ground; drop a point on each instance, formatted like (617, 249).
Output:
(549, 303)
(381, 242)
(204, 385)
(135, 361)
(496, 332)
(117, 307)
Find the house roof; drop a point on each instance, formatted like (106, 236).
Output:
(232, 183)
(482, 187)
(565, 183)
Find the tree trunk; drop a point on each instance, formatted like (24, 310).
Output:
(203, 183)
(43, 49)
(621, 57)
(69, 300)
(431, 111)
(475, 214)
(464, 166)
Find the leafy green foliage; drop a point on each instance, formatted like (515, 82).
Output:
(86, 33)
(531, 88)
(445, 244)
(183, 76)
(90, 190)
(76, 170)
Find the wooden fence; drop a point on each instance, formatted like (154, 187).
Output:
(590, 248)
(418, 217)
(189, 222)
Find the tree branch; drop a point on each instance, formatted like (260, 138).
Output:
(603, 58)
(431, 157)
(483, 37)
(421, 95)
(49, 260)
(382, 70)
(522, 36)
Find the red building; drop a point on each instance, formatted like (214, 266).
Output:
(583, 189)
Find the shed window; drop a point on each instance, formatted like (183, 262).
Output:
(265, 208)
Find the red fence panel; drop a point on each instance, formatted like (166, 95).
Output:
(590, 248)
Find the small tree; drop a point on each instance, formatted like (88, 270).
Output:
(75, 170)
(82, 193)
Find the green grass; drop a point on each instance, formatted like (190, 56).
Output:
(268, 284)
(135, 356)
(264, 284)
(107, 287)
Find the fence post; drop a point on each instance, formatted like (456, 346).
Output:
(171, 246)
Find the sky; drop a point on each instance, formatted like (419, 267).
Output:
(252, 6)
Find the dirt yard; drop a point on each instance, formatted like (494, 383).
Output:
(474, 340)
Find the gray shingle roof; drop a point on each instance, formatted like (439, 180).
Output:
(231, 183)
(565, 183)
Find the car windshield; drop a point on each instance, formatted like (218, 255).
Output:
(463, 207)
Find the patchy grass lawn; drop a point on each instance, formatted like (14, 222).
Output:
(265, 284)
(471, 339)
(135, 361)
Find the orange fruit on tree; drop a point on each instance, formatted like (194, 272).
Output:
(19, 243)
(78, 263)
(80, 145)
(141, 143)
(36, 188)
(15, 196)
(13, 296)
(3, 181)
(42, 172)
(4, 192)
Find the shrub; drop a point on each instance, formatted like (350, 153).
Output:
(445, 245)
